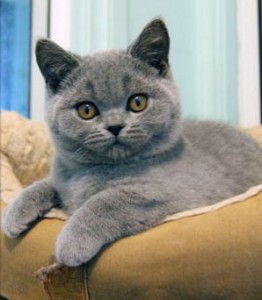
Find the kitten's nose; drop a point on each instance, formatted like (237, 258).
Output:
(115, 129)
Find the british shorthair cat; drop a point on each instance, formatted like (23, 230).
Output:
(124, 158)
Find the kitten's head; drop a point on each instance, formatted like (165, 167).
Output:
(114, 105)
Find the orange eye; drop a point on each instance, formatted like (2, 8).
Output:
(87, 110)
(137, 103)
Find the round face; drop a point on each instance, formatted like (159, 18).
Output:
(112, 108)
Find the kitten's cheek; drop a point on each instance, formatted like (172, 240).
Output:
(154, 129)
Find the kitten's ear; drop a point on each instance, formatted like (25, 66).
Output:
(152, 46)
(54, 62)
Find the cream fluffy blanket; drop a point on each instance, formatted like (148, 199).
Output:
(26, 154)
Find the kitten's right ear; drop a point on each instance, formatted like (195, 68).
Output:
(152, 46)
(54, 62)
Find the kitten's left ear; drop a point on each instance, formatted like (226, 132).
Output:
(54, 63)
(152, 46)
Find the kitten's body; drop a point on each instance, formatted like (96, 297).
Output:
(192, 173)
(123, 170)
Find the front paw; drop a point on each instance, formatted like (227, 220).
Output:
(12, 222)
(74, 249)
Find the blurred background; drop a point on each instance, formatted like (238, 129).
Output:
(215, 49)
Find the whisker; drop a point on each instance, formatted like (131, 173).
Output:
(133, 131)
(96, 141)
(95, 135)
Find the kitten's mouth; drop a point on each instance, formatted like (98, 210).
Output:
(120, 142)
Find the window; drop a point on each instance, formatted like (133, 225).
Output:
(214, 49)
(249, 88)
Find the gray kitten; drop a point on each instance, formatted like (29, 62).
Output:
(124, 158)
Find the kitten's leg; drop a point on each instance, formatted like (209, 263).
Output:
(104, 218)
(31, 204)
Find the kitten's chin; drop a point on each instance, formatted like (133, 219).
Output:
(118, 152)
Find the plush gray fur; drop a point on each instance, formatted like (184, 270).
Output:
(116, 185)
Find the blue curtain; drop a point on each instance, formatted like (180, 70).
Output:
(15, 34)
